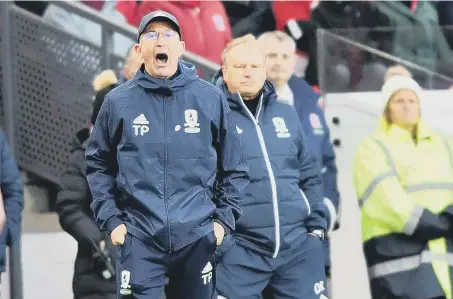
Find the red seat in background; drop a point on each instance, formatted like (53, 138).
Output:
(290, 10)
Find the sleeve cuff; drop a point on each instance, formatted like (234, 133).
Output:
(332, 214)
(86, 229)
(225, 218)
(112, 224)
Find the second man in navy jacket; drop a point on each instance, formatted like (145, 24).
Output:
(278, 239)
(161, 142)
(280, 51)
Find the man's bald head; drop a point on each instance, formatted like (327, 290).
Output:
(238, 44)
(280, 52)
(280, 37)
(243, 66)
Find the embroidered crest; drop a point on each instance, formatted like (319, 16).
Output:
(280, 127)
(316, 124)
(191, 124)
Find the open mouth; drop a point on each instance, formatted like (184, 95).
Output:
(161, 58)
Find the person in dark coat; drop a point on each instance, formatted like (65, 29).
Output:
(92, 278)
(157, 202)
(11, 200)
(280, 52)
(277, 244)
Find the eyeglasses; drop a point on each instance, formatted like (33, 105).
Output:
(155, 35)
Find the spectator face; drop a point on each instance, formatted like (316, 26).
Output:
(131, 65)
(244, 70)
(280, 60)
(404, 108)
(160, 48)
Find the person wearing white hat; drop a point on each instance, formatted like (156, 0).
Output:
(403, 176)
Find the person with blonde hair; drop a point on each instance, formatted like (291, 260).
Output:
(277, 243)
(403, 177)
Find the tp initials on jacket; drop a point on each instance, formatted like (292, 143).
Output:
(141, 125)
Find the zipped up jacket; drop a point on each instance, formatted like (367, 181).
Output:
(157, 149)
(284, 198)
(317, 131)
(12, 191)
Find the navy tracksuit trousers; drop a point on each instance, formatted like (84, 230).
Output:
(245, 274)
(142, 270)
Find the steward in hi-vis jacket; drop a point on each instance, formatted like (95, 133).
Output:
(403, 176)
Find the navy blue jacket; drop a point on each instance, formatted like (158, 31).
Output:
(315, 127)
(13, 199)
(317, 131)
(153, 156)
(284, 197)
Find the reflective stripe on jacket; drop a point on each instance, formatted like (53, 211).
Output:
(405, 192)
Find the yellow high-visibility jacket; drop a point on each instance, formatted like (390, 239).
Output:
(405, 192)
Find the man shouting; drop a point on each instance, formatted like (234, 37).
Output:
(161, 142)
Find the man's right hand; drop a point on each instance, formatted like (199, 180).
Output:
(102, 245)
(2, 220)
(2, 213)
(118, 234)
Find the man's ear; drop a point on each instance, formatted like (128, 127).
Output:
(224, 71)
(138, 50)
(265, 71)
(293, 62)
(182, 48)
